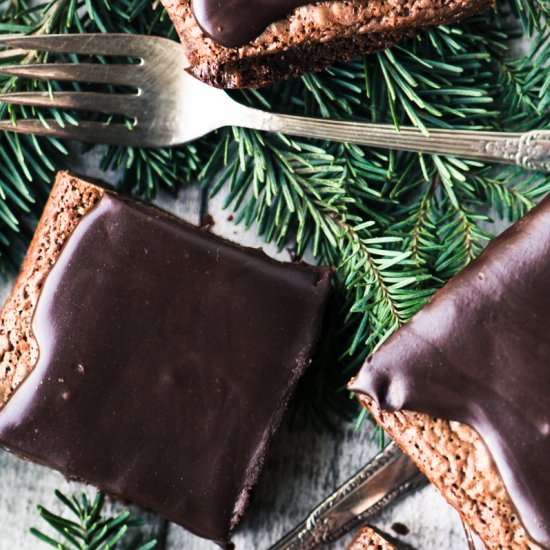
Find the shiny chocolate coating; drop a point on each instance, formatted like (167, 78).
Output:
(234, 23)
(479, 353)
(167, 357)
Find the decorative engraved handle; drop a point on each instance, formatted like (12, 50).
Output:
(534, 150)
(388, 476)
(530, 150)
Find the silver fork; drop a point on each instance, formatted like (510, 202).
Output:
(387, 477)
(171, 107)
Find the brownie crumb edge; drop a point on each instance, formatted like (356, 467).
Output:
(369, 539)
(70, 199)
(456, 460)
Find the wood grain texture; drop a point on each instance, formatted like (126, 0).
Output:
(306, 463)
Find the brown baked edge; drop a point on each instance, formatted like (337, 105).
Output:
(261, 70)
(369, 539)
(254, 72)
(455, 459)
(69, 200)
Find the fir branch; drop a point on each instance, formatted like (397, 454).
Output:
(534, 15)
(422, 222)
(511, 192)
(89, 528)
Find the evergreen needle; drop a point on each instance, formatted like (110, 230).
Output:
(91, 528)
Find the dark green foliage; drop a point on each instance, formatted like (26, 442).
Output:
(90, 528)
(396, 225)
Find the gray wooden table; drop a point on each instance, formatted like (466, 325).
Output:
(306, 463)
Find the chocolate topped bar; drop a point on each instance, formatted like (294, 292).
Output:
(369, 539)
(251, 43)
(236, 22)
(165, 356)
(479, 354)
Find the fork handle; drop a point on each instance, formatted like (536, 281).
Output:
(384, 479)
(530, 150)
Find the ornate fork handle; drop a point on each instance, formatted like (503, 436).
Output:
(388, 476)
(172, 107)
(530, 150)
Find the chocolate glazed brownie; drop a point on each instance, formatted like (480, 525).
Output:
(245, 43)
(474, 366)
(151, 358)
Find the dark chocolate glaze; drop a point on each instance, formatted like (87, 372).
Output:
(234, 23)
(479, 353)
(167, 357)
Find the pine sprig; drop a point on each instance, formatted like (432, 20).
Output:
(89, 528)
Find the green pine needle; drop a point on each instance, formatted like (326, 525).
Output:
(89, 528)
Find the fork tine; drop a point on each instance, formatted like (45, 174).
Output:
(10, 54)
(96, 73)
(125, 45)
(123, 104)
(87, 131)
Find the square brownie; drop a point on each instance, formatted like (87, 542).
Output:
(308, 38)
(150, 358)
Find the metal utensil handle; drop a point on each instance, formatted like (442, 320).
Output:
(530, 150)
(388, 476)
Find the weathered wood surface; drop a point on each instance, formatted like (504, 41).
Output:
(306, 463)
